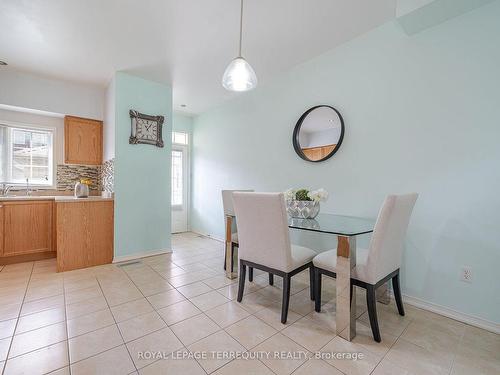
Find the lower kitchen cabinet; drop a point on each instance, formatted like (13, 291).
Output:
(84, 234)
(26, 227)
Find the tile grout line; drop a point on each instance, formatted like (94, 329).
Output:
(66, 326)
(154, 309)
(117, 327)
(17, 320)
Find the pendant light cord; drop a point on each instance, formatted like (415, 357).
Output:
(241, 27)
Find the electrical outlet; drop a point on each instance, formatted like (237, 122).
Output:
(466, 274)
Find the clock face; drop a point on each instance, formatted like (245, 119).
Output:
(147, 129)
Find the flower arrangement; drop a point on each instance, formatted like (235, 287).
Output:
(319, 195)
(304, 203)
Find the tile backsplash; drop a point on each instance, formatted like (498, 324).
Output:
(107, 175)
(68, 175)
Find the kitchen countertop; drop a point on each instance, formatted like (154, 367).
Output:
(56, 198)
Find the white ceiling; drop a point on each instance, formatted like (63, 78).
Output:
(187, 43)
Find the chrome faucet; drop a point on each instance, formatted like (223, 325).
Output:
(4, 189)
(28, 191)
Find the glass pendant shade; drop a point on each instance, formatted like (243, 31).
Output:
(239, 76)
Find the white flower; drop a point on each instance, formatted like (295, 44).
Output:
(318, 195)
(290, 194)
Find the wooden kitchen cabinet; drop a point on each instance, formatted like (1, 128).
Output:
(26, 227)
(85, 234)
(82, 141)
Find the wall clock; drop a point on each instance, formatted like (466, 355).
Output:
(145, 129)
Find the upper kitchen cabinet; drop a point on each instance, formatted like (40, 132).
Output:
(82, 141)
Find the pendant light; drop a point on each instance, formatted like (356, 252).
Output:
(239, 75)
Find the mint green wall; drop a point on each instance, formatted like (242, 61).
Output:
(142, 172)
(421, 114)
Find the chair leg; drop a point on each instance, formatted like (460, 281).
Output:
(317, 290)
(371, 302)
(397, 294)
(232, 257)
(311, 282)
(241, 285)
(286, 298)
(271, 279)
(250, 274)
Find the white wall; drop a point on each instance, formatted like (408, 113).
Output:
(109, 122)
(34, 92)
(421, 114)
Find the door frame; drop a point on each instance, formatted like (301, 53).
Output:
(187, 179)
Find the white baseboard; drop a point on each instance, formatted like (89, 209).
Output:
(142, 254)
(450, 313)
(209, 236)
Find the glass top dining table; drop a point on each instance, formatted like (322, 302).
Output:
(346, 229)
(340, 225)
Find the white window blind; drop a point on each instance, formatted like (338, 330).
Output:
(180, 138)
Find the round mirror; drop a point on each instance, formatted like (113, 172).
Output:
(318, 133)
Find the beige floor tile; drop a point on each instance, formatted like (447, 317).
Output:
(39, 361)
(217, 282)
(479, 338)
(209, 300)
(112, 362)
(389, 320)
(40, 319)
(93, 343)
(141, 325)
(83, 294)
(42, 304)
(154, 287)
(131, 309)
(308, 333)
(195, 289)
(61, 371)
(283, 344)
(364, 364)
(386, 367)
(163, 341)
(4, 348)
(272, 316)
(38, 338)
(219, 342)
(251, 331)
(473, 359)
(254, 302)
(326, 317)
(85, 307)
(178, 312)
(416, 359)
(316, 367)
(194, 329)
(434, 336)
(9, 311)
(71, 285)
(247, 367)
(170, 366)
(90, 322)
(364, 337)
(227, 314)
(117, 296)
(34, 293)
(7, 328)
(301, 302)
(165, 299)
(231, 291)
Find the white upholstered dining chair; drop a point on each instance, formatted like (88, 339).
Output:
(264, 242)
(228, 207)
(380, 262)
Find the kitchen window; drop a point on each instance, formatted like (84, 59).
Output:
(26, 153)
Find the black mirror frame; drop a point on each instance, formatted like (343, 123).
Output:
(295, 137)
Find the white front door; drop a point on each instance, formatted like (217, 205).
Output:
(180, 187)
